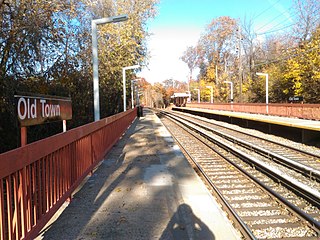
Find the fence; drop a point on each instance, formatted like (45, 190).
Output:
(305, 111)
(35, 180)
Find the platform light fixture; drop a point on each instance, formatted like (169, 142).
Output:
(94, 24)
(267, 89)
(197, 89)
(211, 93)
(231, 90)
(132, 87)
(124, 83)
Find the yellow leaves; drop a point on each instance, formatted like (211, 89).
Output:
(211, 72)
(285, 91)
(245, 88)
(293, 70)
(297, 87)
(316, 75)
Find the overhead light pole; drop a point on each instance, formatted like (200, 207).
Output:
(231, 90)
(124, 84)
(132, 86)
(188, 82)
(211, 93)
(94, 24)
(197, 89)
(267, 89)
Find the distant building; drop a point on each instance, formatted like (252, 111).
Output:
(180, 99)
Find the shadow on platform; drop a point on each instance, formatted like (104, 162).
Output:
(185, 225)
(117, 202)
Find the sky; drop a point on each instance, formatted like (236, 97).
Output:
(179, 24)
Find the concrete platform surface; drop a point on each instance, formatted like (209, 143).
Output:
(144, 189)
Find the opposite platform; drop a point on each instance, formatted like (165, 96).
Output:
(313, 125)
(144, 189)
(301, 129)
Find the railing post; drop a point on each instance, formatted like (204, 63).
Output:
(30, 194)
(91, 152)
(23, 136)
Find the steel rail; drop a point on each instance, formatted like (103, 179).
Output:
(244, 229)
(303, 169)
(251, 135)
(300, 190)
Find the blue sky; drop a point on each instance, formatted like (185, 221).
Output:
(179, 24)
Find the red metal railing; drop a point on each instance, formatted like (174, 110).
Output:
(305, 111)
(35, 180)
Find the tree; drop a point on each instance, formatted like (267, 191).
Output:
(160, 95)
(216, 53)
(191, 58)
(308, 19)
(34, 38)
(124, 45)
(303, 71)
(45, 47)
(218, 43)
(289, 56)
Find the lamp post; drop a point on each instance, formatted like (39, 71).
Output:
(188, 82)
(132, 86)
(197, 89)
(211, 93)
(94, 24)
(124, 84)
(267, 89)
(231, 90)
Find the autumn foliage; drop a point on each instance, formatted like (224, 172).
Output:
(229, 50)
(45, 48)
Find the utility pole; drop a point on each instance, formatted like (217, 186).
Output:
(216, 73)
(266, 75)
(240, 61)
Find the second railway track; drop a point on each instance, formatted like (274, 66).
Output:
(303, 161)
(260, 206)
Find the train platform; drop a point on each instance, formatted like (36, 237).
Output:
(144, 189)
(301, 130)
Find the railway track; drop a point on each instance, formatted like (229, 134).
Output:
(251, 194)
(302, 161)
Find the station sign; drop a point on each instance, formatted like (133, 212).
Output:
(39, 109)
(295, 99)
